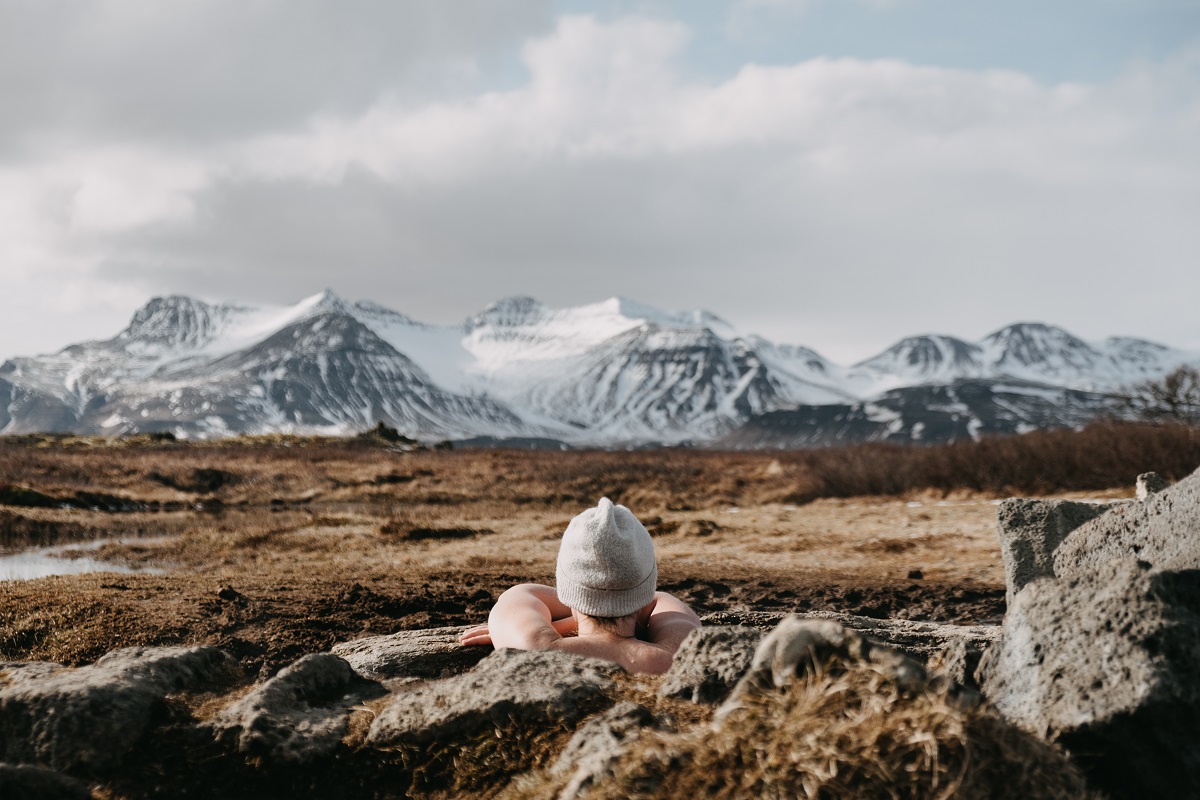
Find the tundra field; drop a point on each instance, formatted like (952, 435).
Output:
(274, 547)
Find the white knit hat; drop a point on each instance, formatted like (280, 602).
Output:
(606, 565)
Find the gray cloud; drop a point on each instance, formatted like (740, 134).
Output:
(835, 203)
(196, 70)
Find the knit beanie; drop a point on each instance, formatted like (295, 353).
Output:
(606, 565)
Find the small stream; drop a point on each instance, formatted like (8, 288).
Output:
(39, 562)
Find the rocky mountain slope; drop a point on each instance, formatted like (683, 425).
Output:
(612, 373)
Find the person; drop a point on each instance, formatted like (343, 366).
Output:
(605, 603)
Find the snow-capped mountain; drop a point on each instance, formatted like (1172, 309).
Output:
(610, 373)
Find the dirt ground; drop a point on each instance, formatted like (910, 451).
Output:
(271, 552)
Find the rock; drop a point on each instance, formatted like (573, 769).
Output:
(709, 663)
(533, 686)
(1031, 530)
(14, 672)
(1162, 531)
(918, 640)
(957, 664)
(1106, 661)
(297, 716)
(759, 620)
(591, 753)
(797, 646)
(433, 653)
(1149, 483)
(90, 718)
(26, 782)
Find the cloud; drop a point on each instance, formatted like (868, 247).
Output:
(204, 70)
(833, 202)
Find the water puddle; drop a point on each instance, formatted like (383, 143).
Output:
(40, 562)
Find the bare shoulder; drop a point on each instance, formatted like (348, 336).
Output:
(670, 621)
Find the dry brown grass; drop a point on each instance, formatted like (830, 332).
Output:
(287, 472)
(847, 734)
(1102, 456)
(326, 541)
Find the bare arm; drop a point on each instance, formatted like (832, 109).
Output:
(528, 616)
(524, 618)
(667, 621)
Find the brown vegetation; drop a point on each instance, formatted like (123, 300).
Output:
(48, 471)
(324, 540)
(276, 547)
(847, 734)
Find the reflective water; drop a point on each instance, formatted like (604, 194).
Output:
(39, 562)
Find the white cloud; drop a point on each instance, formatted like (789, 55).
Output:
(875, 198)
(127, 189)
(610, 91)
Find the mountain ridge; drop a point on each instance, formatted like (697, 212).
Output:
(612, 373)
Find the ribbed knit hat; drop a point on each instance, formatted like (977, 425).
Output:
(606, 565)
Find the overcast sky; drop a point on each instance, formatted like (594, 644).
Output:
(834, 173)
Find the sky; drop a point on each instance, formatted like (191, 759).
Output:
(832, 173)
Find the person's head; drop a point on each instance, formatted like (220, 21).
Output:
(606, 566)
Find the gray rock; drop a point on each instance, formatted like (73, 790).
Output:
(432, 653)
(1106, 661)
(90, 718)
(534, 686)
(598, 744)
(1031, 530)
(14, 672)
(917, 640)
(299, 715)
(762, 621)
(797, 646)
(27, 782)
(709, 663)
(1149, 483)
(1161, 531)
(957, 664)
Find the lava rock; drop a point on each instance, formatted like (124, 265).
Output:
(431, 653)
(918, 640)
(709, 663)
(1031, 530)
(1160, 531)
(799, 646)
(598, 744)
(92, 717)
(533, 686)
(1105, 660)
(14, 672)
(1149, 483)
(299, 715)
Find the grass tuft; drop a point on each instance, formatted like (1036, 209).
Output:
(847, 734)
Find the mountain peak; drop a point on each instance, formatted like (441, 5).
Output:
(326, 300)
(509, 312)
(925, 357)
(1026, 343)
(172, 321)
